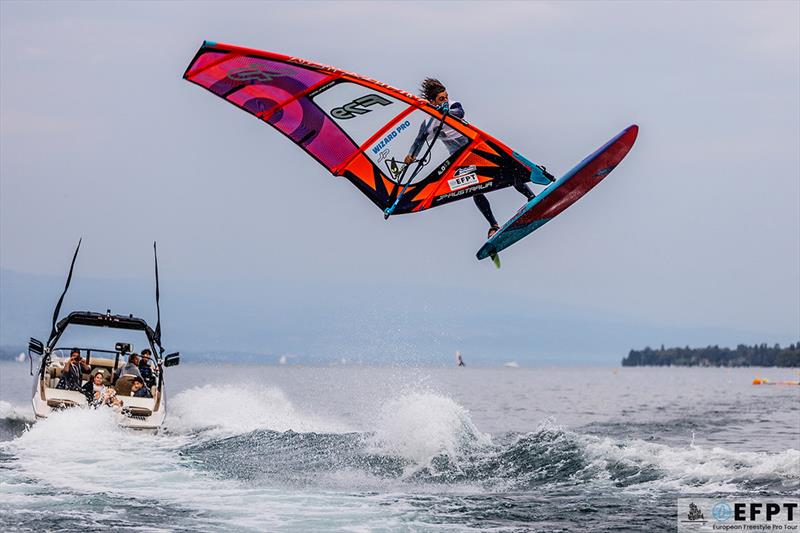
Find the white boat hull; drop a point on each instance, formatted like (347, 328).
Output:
(136, 413)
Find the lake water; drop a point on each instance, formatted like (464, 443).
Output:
(265, 448)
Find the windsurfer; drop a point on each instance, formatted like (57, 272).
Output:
(435, 92)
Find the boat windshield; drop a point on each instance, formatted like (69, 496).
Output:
(99, 339)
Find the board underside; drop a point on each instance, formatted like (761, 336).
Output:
(562, 193)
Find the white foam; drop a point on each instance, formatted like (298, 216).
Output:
(16, 412)
(77, 448)
(237, 409)
(85, 451)
(419, 426)
(695, 468)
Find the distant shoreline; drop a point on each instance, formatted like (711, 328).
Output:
(759, 355)
(710, 356)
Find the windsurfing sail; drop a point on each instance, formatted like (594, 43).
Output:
(360, 128)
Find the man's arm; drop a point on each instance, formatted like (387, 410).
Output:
(417, 146)
(457, 110)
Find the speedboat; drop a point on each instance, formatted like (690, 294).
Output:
(87, 327)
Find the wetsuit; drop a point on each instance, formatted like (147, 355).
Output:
(453, 141)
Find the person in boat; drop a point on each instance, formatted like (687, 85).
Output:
(94, 388)
(98, 394)
(138, 389)
(147, 368)
(110, 398)
(435, 92)
(131, 368)
(72, 371)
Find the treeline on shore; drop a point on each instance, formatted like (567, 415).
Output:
(742, 355)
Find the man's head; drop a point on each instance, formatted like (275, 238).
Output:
(134, 359)
(146, 353)
(433, 91)
(75, 353)
(137, 385)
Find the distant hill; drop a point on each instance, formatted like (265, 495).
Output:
(757, 355)
(11, 352)
(413, 322)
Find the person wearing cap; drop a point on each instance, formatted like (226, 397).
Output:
(71, 373)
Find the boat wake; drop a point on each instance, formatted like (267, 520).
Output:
(230, 452)
(13, 420)
(427, 439)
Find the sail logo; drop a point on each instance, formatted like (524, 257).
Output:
(461, 171)
(463, 180)
(462, 192)
(258, 73)
(389, 138)
(359, 106)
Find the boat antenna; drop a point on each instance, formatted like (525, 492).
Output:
(66, 287)
(157, 332)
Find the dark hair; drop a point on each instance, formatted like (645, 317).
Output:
(147, 351)
(137, 379)
(72, 351)
(430, 88)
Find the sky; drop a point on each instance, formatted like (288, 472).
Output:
(694, 239)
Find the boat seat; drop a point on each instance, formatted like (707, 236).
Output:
(62, 397)
(55, 375)
(137, 411)
(106, 362)
(107, 365)
(137, 407)
(124, 385)
(60, 403)
(106, 375)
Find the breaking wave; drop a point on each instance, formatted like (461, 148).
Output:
(230, 452)
(426, 438)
